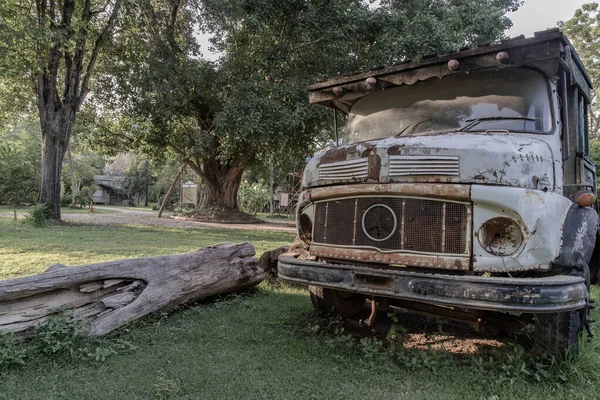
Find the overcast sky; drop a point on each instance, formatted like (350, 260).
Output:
(537, 15)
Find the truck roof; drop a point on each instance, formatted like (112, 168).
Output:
(547, 51)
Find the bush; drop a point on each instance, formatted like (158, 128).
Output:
(85, 195)
(61, 336)
(254, 197)
(39, 214)
(65, 200)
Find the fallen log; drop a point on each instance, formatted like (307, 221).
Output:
(111, 294)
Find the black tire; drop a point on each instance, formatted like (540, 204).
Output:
(346, 304)
(558, 333)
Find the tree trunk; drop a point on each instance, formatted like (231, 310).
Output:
(221, 184)
(56, 133)
(171, 188)
(74, 188)
(112, 294)
(146, 184)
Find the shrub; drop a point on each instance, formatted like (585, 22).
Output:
(254, 197)
(65, 200)
(61, 336)
(39, 214)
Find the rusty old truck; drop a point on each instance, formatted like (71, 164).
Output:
(462, 187)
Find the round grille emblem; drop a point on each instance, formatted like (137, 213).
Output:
(379, 222)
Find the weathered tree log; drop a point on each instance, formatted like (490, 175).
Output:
(268, 261)
(111, 294)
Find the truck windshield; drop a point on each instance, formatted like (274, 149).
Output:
(515, 100)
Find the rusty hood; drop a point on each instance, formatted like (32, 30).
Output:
(505, 159)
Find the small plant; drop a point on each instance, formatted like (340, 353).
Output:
(39, 215)
(253, 198)
(396, 334)
(166, 388)
(61, 336)
(60, 333)
(12, 352)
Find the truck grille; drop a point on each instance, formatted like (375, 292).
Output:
(394, 224)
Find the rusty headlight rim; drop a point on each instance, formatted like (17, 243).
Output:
(305, 226)
(501, 236)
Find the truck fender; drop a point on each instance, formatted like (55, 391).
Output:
(578, 238)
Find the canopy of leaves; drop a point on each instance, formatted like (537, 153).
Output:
(252, 102)
(584, 32)
(20, 163)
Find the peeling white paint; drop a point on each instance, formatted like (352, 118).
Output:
(515, 160)
(541, 215)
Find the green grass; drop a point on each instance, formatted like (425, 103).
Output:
(135, 208)
(63, 210)
(25, 250)
(263, 344)
(278, 218)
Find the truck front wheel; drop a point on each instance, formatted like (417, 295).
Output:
(346, 304)
(558, 333)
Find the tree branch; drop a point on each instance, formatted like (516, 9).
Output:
(99, 42)
(102, 10)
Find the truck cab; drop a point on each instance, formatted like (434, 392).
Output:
(462, 187)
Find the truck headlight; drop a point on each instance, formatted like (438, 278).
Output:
(305, 228)
(500, 236)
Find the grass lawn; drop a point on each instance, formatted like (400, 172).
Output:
(278, 218)
(263, 344)
(135, 208)
(63, 210)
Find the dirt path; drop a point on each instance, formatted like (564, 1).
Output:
(135, 217)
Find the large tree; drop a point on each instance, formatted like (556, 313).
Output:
(51, 47)
(222, 118)
(584, 32)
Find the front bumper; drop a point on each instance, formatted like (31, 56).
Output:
(540, 295)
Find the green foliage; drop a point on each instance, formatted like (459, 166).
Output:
(511, 365)
(228, 116)
(583, 29)
(595, 154)
(85, 195)
(139, 179)
(39, 215)
(59, 337)
(20, 164)
(49, 50)
(166, 388)
(81, 165)
(12, 352)
(254, 197)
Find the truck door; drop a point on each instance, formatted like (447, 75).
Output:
(586, 169)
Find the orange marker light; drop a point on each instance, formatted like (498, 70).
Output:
(585, 199)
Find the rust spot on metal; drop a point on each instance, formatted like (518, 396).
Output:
(535, 181)
(502, 57)
(434, 190)
(501, 236)
(338, 154)
(395, 150)
(453, 65)
(393, 259)
(374, 166)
